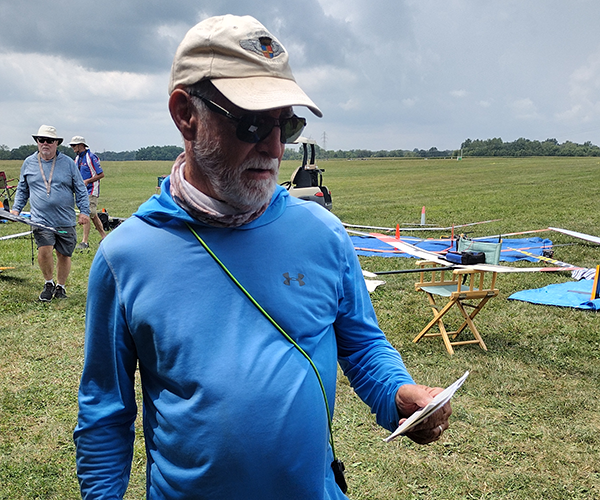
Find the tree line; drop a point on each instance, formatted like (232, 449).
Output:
(526, 147)
(355, 154)
(166, 153)
(477, 147)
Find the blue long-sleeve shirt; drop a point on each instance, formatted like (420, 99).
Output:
(54, 209)
(231, 409)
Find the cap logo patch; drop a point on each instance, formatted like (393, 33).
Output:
(263, 45)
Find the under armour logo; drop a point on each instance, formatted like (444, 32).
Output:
(288, 279)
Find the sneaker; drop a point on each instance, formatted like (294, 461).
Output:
(60, 292)
(47, 292)
(82, 246)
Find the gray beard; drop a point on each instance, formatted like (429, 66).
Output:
(227, 182)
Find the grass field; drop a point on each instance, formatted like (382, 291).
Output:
(526, 423)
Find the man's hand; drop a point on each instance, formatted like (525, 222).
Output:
(83, 219)
(14, 212)
(411, 398)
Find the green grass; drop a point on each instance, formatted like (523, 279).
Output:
(525, 424)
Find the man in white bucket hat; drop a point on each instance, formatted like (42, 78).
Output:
(51, 182)
(212, 289)
(91, 172)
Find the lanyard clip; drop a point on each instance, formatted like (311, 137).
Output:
(338, 472)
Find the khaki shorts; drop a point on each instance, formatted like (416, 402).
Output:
(93, 205)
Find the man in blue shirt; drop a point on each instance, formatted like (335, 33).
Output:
(50, 181)
(213, 290)
(91, 172)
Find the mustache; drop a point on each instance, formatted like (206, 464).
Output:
(261, 164)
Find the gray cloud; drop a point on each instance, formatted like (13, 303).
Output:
(388, 74)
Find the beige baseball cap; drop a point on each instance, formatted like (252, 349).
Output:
(77, 139)
(49, 132)
(245, 62)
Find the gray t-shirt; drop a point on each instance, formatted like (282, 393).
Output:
(57, 208)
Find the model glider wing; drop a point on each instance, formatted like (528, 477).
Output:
(17, 218)
(545, 259)
(11, 236)
(426, 255)
(420, 227)
(371, 283)
(575, 234)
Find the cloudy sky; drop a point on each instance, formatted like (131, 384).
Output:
(388, 74)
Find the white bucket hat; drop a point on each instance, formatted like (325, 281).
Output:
(78, 139)
(245, 62)
(48, 132)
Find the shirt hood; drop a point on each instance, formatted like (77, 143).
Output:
(161, 209)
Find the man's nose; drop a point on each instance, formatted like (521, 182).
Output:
(272, 145)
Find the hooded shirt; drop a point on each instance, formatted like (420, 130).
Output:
(231, 408)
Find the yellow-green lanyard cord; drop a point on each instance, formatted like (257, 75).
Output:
(337, 465)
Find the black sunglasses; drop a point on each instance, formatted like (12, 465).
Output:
(45, 140)
(254, 128)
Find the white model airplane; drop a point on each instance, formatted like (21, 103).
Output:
(438, 259)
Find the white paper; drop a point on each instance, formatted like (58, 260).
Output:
(417, 417)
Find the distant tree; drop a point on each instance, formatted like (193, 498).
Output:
(398, 153)
(477, 147)
(568, 148)
(550, 147)
(337, 154)
(114, 156)
(526, 147)
(22, 152)
(158, 153)
(292, 154)
(68, 150)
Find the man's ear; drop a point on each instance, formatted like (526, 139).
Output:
(184, 114)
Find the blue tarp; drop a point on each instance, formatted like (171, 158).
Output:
(371, 246)
(575, 294)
